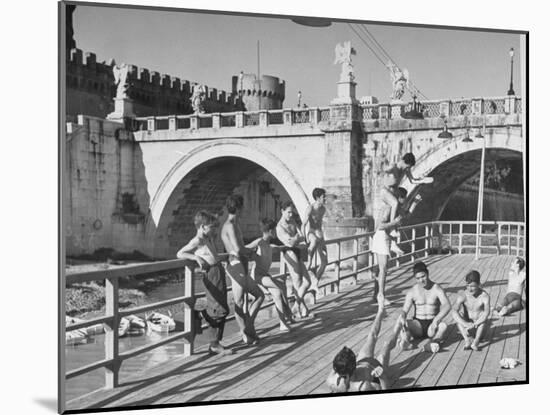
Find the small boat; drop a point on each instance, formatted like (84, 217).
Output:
(123, 327)
(90, 330)
(75, 337)
(160, 323)
(137, 325)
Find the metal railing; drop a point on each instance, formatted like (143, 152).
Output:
(348, 257)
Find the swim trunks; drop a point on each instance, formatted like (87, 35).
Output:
(215, 289)
(381, 242)
(425, 324)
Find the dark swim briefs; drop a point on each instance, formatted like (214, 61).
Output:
(425, 324)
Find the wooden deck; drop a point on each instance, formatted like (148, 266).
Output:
(298, 362)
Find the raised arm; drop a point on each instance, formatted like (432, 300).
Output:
(254, 244)
(418, 180)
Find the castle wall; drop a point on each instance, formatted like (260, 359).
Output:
(91, 88)
(99, 171)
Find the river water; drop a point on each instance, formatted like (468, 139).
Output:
(79, 355)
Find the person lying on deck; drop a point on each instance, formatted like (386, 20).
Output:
(431, 306)
(471, 311)
(364, 372)
(517, 278)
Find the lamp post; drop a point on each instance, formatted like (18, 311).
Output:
(481, 191)
(511, 90)
(299, 99)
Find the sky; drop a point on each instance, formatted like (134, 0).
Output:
(210, 49)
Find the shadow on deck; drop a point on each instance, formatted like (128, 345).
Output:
(297, 362)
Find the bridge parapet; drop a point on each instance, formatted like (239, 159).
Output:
(387, 116)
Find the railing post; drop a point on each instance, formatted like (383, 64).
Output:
(413, 243)
(111, 333)
(188, 314)
(370, 256)
(338, 256)
(460, 231)
(509, 240)
(440, 238)
(498, 238)
(426, 240)
(517, 240)
(356, 257)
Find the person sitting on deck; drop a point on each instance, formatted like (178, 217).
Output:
(471, 311)
(431, 306)
(289, 234)
(263, 257)
(517, 278)
(364, 372)
(202, 250)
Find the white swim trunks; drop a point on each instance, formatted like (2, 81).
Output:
(381, 243)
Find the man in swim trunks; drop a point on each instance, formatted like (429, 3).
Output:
(314, 235)
(263, 258)
(431, 306)
(386, 203)
(517, 278)
(237, 269)
(202, 250)
(289, 234)
(471, 311)
(364, 372)
(403, 168)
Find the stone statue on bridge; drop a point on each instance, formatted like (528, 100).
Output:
(121, 80)
(400, 81)
(344, 53)
(197, 99)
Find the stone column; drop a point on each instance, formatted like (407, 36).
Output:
(124, 108)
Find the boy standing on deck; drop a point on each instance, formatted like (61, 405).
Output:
(264, 257)
(202, 250)
(314, 235)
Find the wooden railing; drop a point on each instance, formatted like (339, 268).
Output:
(347, 258)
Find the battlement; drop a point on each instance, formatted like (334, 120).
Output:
(267, 92)
(146, 87)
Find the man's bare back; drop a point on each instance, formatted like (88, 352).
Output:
(232, 237)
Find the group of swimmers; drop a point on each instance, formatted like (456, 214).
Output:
(298, 244)
(471, 310)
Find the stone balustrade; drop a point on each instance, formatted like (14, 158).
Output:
(318, 116)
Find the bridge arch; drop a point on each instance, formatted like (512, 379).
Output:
(453, 162)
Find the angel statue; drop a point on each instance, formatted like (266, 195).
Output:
(121, 80)
(197, 98)
(400, 81)
(343, 56)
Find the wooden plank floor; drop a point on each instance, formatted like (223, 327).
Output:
(297, 363)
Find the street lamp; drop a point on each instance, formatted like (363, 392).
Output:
(481, 190)
(299, 98)
(511, 90)
(446, 134)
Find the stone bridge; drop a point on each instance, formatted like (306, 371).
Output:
(135, 185)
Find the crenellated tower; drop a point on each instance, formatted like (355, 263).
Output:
(267, 93)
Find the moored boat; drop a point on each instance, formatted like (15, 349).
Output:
(160, 323)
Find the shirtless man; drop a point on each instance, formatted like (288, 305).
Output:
(517, 279)
(237, 269)
(289, 234)
(364, 373)
(314, 235)
(471, 311)
(431, 306)
(381, 242)
(403, 168)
